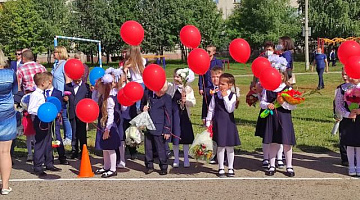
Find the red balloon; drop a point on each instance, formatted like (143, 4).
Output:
(74, 69)
(258, 65)
(199, 61)
(154, 77)
(133, 91)
(348, 49)
(240, 50)
(132, 33)
(87, 110)
(123, 100)
(270, 78)
(190, 36)
(352, 67)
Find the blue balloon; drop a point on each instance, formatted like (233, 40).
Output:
(47, 112)
(95, 74)
(56, 102)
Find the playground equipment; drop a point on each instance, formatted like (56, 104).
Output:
(80, 39)
(325, 41)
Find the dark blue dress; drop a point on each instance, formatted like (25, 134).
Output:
(113, 142)
(349, 129)
(224, 127)
(277, 128)
(259, 131)
(181, 123)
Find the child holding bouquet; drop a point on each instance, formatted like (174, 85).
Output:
(221, 114)
(278, 127)
(347, 103)
(107, 135)
(182, 99)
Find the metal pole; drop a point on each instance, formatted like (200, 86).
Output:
(307, 64)
(100, 61)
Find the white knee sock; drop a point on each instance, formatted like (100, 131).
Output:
(112, 156)
(357, 151)
(176, 153)
(28, 144)
(350, 154)
(288, 155)
(274, 148)
(122, 152)
(106, 157)
(279, 154)
(230, 156)
(266, 149)
(220, 156)
(186, 154)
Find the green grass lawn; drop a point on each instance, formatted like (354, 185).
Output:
(313, 120)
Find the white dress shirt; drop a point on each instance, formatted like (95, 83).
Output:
(37, 98)
(229, 105)
(76, 86)
(264, 104)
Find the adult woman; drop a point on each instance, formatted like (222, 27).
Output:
(8, 87)
(286, 48)
(59, 81)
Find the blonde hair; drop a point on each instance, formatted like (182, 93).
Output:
(3, 60)
(135, 60)
(63, 54)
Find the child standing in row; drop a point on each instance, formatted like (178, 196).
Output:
(158, 104)
(79, 90)
(349, 128)
(43, 154)
(107, 135)
(278, 128)
(221, 113)
(182, 99)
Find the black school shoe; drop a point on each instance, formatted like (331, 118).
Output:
(149, 171)
(290, 172)
(109, 174)
(54, 169)
(231, 173)
(101, 171)
(63, 162)
(40, 174)
(221, 173)
(163, 172)
(271, 171)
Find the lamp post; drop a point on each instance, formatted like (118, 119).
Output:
(307, 64)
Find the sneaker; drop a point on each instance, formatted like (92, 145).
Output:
(121, 165)
(6, 191)
(29, 158)
(66, 142)
(352, 172)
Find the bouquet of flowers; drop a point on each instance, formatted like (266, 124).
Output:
(203, 147)
(55, 143)
(352, 98)
(278, 62)
(184, 74)
(292, 97)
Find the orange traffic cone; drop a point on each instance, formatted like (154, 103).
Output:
(85, 166)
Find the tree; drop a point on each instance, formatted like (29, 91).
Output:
(333, 18)
(22, 27)
(260, 20)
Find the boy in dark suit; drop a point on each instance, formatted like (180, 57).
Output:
(53, 92)
(42, 150)
(158, 104)
(79, 90)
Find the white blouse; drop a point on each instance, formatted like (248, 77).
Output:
(229, 105)
(340, 101)
(264, 104)
(190, 97)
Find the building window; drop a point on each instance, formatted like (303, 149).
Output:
(237, 1)
(216, 1)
